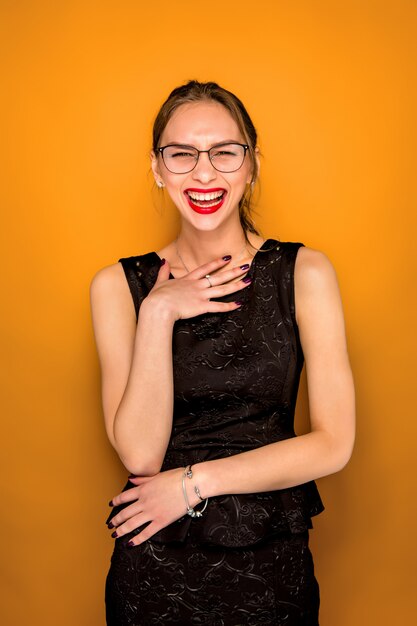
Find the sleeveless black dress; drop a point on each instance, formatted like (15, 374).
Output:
(236, 377)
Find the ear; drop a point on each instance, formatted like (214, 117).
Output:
(155, 167)
(258, 163)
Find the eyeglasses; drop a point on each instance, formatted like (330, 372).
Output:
(224, 157)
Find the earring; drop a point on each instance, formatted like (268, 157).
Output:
(160, 184)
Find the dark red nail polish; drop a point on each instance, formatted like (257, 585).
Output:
(227, 257)
(162, 262)
(244, 267)
(110, 525)
(247, 279)
(239, 303)
(111, 503)
(130, 544)
(114, 535)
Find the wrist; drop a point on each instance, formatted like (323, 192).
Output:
(191, 500)
(156, 310)
(204, 478)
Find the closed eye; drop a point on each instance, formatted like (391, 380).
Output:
(224, 153)
(179, 153)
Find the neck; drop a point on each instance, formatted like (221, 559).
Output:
(195, 249)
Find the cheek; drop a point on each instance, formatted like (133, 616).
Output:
(174, 183)
(174, 189)
(240, 183)
(248, 174)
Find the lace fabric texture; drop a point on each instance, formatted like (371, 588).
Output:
(236, 377)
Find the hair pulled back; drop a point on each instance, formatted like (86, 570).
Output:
(194, 91)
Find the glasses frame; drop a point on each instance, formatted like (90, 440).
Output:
(217, 145)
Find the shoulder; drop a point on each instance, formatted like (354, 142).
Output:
(309, 264)
(313, 268)
(114, 276)
(110, 293)
(107, 280)
(316, 285)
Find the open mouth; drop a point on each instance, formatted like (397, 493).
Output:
(205, 200)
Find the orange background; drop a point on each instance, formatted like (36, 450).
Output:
(331, 88)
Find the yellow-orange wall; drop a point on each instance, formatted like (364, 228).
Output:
(331, 87)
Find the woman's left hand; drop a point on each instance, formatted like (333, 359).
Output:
(156, 499)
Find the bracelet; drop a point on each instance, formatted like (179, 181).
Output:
(188, 473)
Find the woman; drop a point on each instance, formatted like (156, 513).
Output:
(200, 376)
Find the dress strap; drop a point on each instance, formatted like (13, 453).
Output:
(289, 251)
(140, 272)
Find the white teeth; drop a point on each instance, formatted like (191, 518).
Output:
(194, 195)
(206, 205)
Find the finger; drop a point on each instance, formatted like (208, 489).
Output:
(222, 307)
(211, 266)
(124, 515)
(164, 270)
(126, 496)
(225, 276)
(225, 290)
(131, 524)
(140, 480)
(144, 535)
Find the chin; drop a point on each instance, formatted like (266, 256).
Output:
(207, 222)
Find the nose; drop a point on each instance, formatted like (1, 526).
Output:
(204, 171)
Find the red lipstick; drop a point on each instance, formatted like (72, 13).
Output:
(205, 201)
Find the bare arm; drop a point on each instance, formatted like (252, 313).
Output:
(136, 368)
(136, 360)
(328, 447)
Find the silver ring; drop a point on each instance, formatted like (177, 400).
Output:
(208, 278)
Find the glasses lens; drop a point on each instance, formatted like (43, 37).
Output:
(179, 159)
(228, 157)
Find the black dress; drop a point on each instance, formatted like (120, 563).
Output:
(236, 377)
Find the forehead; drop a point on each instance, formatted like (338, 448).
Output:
(202, 123)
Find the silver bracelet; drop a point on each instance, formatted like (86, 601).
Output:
(188, 473)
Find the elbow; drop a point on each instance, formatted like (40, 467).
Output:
(143, 466)
(138, 459)
(342, 459)
(342, 454)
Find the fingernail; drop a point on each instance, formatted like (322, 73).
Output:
(162, 262)
(110, 525)
(111, 503)
(227, 257)
(114, 535)
(130, 544)
(239, 303)
(247, 279)
(244, 267)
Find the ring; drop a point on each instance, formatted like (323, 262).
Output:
(208, 278)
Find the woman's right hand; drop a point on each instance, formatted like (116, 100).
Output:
(191, 294)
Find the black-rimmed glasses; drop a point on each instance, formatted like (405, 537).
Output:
(224, 157)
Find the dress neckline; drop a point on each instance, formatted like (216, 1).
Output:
(262, 247)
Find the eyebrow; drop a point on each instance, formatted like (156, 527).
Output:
(189, 145)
